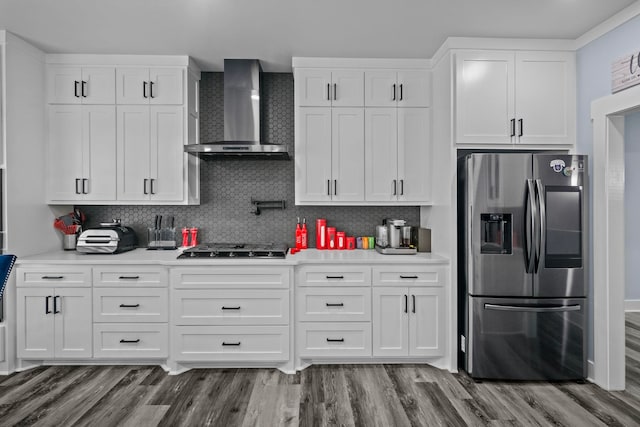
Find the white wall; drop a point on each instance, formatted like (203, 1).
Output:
(632, 205)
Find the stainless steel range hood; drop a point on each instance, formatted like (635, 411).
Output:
(242, 79)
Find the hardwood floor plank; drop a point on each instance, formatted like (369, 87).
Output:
(19, 378)
(145, 416)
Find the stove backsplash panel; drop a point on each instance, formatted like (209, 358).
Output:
(227, 186)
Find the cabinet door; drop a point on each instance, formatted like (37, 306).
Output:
(133, 153)
(545, 97)
(34, 323)
(313, 155)
(427, 327)
(381, 88)
(347, 88)
(414, 155)
(65, 152)
(132, 86)
(73, 323)
(64, 85)
(166, 86)
(99, 152)
(414, 88)
(167, 153)
(313, 88)
(390, 321)
(484, 97)
(347, 154)
(98, 85)
(381, 154)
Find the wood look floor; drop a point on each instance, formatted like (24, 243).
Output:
(349, 395)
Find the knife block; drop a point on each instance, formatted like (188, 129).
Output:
(161, 238)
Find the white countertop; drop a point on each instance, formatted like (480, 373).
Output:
(169, 258)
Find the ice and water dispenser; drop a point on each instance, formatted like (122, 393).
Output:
(495, 230)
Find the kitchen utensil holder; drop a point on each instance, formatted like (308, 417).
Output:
(162, 238)
(69, 241)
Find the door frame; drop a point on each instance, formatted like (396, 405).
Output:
(608, 117)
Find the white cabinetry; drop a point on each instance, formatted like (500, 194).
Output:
(507, 97)
(409, 311)
(54, 313)
(160, 86)
(325, 88)
(402, 88)
(82, 152)
(80, 85)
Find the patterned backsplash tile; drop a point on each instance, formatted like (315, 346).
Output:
(227, 186)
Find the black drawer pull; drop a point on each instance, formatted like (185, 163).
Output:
(335, 277)
(339, 304)
(130, 341)
(235, 344)
(335, 339)
(231, 308)
(129, 277)
(129, 305)
(408, 277)
(52, 277)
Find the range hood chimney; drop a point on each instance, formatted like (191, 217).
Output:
(242, 98)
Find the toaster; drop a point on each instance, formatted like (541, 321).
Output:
(110, 239)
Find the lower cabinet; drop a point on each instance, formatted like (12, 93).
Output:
(54, 323)
(334, 339)
(130, 340)
(408, 321)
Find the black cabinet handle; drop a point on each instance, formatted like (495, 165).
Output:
(85, 183)
(123, 341)
(328, 187)
(338, 304)
(335, 92)
(521, 128)
(151, 90)
(231, 308)
(144, 186)
(82, 91)
(129, 305)
(402, 187)
(76, 83)
(144, 90)
(152, 186)
(406, 304)
(408, 277)
(78, 190)
(401, 97)
(328, 92)
(46, 305)
(394, 92)
(395, 187)
(513, 127)
(335, 277)
(335, 339)
(52, 277)
(235, 344)
(55, 305)
(413, 301)
(128, 277)
(335, 187)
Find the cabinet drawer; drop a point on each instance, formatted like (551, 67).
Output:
(230, 307)
(334, 304)
(230, 277)
(130, 305)
(317, 340)
(409, 275)
(130, 276)
(53, 276)
(130, 340)
(338, 275)
(222, 343)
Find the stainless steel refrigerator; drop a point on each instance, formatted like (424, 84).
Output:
(524, 259)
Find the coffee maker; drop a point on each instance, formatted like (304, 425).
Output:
(393, 237)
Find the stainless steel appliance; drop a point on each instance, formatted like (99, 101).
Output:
(109, 239)
(236, 250)
(522, 220)
(396, 239)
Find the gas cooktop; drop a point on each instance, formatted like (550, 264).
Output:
(236, 250)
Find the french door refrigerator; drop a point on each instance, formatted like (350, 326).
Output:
(525, 254)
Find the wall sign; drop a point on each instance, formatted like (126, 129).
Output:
(625, 72)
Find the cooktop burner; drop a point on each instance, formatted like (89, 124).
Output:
(236, 250)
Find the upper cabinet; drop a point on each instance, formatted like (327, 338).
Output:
(391, 88)
(129, 149)
(329, 88)
(80, 85)
(521, 97)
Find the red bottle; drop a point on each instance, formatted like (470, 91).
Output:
(185, 237)
(194, 236)
(304, 235)
(321, 233)
(298, 235)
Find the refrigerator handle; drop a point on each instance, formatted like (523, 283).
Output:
(551, 309)
(542, 213)
(530, 225)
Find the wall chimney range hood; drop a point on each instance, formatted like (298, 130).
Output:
(242, 79)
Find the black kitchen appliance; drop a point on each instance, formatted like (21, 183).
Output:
(236, 250)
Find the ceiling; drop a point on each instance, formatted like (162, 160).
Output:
(275, 30)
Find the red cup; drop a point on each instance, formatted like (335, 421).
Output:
(321, 233)
(342, 240)
(331, 238)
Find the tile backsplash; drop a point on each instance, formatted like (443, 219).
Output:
(227, 186)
